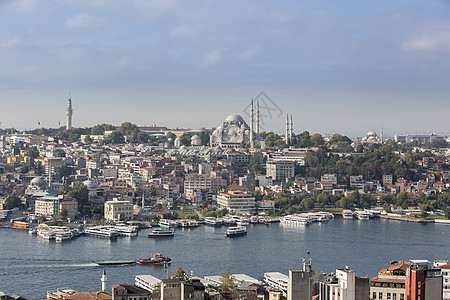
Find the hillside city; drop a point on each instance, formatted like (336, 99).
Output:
(139, 176)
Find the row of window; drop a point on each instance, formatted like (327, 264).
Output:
(389, 296)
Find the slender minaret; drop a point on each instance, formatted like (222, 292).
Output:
(104, 279)
(286, 134)
(69, 114)
(252, 121)
(291, 129)
(257, 118)
(381, 134)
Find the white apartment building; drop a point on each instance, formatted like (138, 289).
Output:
(118, 210)
(197, 182)
(342, 287)
(238, 202)
(277, 280)
(280, 170)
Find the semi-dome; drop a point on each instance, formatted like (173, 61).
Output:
(38, 180)
(195, 137)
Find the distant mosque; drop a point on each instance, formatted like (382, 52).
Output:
(234, 130)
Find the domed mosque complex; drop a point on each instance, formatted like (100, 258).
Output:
(234, 130)
(231, 133)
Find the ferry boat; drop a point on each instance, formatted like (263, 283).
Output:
(188, 223)
(165, 223)
(157, 258)
(210, 221)
(243, 222)
(236, 231)
(126, 230)
(105, 232)
(229, 221)
(347, 214)
(159, 232)
(297, 219)
(362, 215)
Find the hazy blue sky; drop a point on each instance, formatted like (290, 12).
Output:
(337, 66)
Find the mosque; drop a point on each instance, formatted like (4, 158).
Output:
(234, 130)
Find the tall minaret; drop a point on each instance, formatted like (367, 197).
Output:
(104, 279)
(381, 134)
(286, 134)
(252, 121)
(291, 129)
(69, 114)
(257, 118)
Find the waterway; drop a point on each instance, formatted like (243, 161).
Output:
(30, 266)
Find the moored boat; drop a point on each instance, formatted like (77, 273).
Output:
(158, 232)
(157, 258)
(213, 222)
(105, 232)
(347, 214)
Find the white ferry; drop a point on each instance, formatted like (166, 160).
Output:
(213, 222)
(158, 232)
(362, 215)
(243, 222)
(126, 230)
(347, 214)
(297, 219)
(236, 231)
(101, 232)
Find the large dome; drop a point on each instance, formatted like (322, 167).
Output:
(234, 118)
(90, 184)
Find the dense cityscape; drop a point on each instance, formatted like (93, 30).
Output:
(110, 181)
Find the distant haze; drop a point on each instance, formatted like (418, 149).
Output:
(337, 66)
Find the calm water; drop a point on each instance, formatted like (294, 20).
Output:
(30, 266)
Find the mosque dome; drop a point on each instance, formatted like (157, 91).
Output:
(91, 185)
(38, 182)
(234, 118)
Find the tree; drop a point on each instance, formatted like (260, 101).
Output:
(116, 137)
(227, 282)
(180, 273)
(81, 194)
(316, 140)
(11, 201)
(32, 153)
(387, 207)
(319, 276)
(63, 214)
(87, 139)
(308, 203)
(64, 171)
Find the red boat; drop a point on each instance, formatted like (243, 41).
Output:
(158, 258)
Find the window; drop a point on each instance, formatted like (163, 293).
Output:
(402, 296)
(380, 295)
(374, 295)
(394, 296)
(388, 296)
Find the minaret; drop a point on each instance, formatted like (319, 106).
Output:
(252, 121)
(257, 118)
(291, 129)
(286, 134)
(104, 279)
(381, 134)
(69, 114)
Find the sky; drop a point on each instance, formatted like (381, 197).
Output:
(348, 67)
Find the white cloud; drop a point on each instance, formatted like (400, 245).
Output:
(8, 43)
(82, 21)
(438, 40)
(213, 57)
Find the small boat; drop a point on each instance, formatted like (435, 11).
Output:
(158, 232)
(236, 231)
(210, 221)
(115, 262)
(157, 258)
(347, 214)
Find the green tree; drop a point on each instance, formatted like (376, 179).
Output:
(227, 282)
(116, 137)
(387, 207)
(63, 214)
(11, 202)
(308, 203)
(81, 194)
(180, 273)
(87, 139)
(319, 276)
(316, 140)
(64, 171)
(32, 153)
